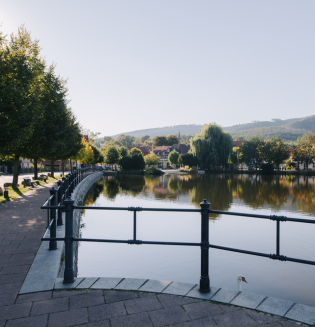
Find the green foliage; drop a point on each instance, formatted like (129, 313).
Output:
(153, 171)
(164, 140)
(134, 160)
(212, 146)
(173, 158)
(21, 71)
(126, 140)
(151, 159)
(111, 155)
(249, 152)
(267, 168)
(144, 138)
(123, 151)
(188, 159)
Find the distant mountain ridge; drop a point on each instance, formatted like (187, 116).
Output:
(288, 130)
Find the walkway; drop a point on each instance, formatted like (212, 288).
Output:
(22, 224)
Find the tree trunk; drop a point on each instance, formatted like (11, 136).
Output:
(306, 166)
(52, 172)
(16, 170)
(71, 166)
(35, 169)
(278, 169)
(63, 168)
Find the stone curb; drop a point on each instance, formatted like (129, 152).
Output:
(270, 305)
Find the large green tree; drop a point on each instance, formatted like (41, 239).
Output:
(111, 155)
(249, 151)
(188, 159)
(21, 72)
(173, 157)
(212, 146)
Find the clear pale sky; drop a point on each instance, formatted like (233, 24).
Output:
(135, 64)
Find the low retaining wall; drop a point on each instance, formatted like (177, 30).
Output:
(79, 196)
(47, 264)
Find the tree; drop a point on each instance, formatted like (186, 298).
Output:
(279, 151)
(111, 155)
(173, 157)
(172, 139)
(151, 159)
(86, 154)
(98, 158)
(56, 134)
(188, 159)
(159, 141)
(303, 151)
(249, 151)
(134, 160)
(21, 70)
(144, 138)
(126, 140)
(212, 146)
(123, 151)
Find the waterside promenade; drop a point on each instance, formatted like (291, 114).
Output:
(22, 224)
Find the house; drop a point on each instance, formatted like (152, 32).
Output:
(144, 149)
(237, 144)
(181, 148)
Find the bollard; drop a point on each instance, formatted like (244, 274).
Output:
(60, 192)
(53, 217)
(69, 271)
(204, 278)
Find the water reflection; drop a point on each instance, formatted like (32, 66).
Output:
(291, 193)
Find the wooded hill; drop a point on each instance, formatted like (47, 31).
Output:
(288, 130)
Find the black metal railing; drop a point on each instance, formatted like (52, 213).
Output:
(204, 244)
(56, 201)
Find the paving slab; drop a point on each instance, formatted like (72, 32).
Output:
(303, 313)
(87, 282)
(130, 284)
(248, 300)
(60, 285)
(106, 283)
(179, 288)
(153, 285)
(275, 306)
(205, 296)
(224, 295)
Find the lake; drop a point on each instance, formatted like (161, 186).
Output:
(291, 196)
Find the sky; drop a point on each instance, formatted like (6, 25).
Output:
(142, 64)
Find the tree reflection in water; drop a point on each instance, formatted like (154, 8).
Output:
(221, 190)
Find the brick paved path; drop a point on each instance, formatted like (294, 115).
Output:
(22, 224)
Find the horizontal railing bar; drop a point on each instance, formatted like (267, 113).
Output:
(262, 216)
(53, 207)
(52, 239)
(271, 256)
(135, 242)
(136, 209)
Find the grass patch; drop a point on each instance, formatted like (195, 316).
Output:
(17, 192)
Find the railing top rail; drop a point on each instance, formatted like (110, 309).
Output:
(136, 209)
(46, 202)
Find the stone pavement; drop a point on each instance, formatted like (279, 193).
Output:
(22, 224)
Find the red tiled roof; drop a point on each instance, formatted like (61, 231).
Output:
(238, 143)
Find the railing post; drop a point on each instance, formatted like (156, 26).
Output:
(53, 227)
(60, 192)
(69, 271)
(204, 278)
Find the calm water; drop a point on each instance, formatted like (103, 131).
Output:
(289, 196)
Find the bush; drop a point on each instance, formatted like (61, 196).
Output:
(153, 171)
